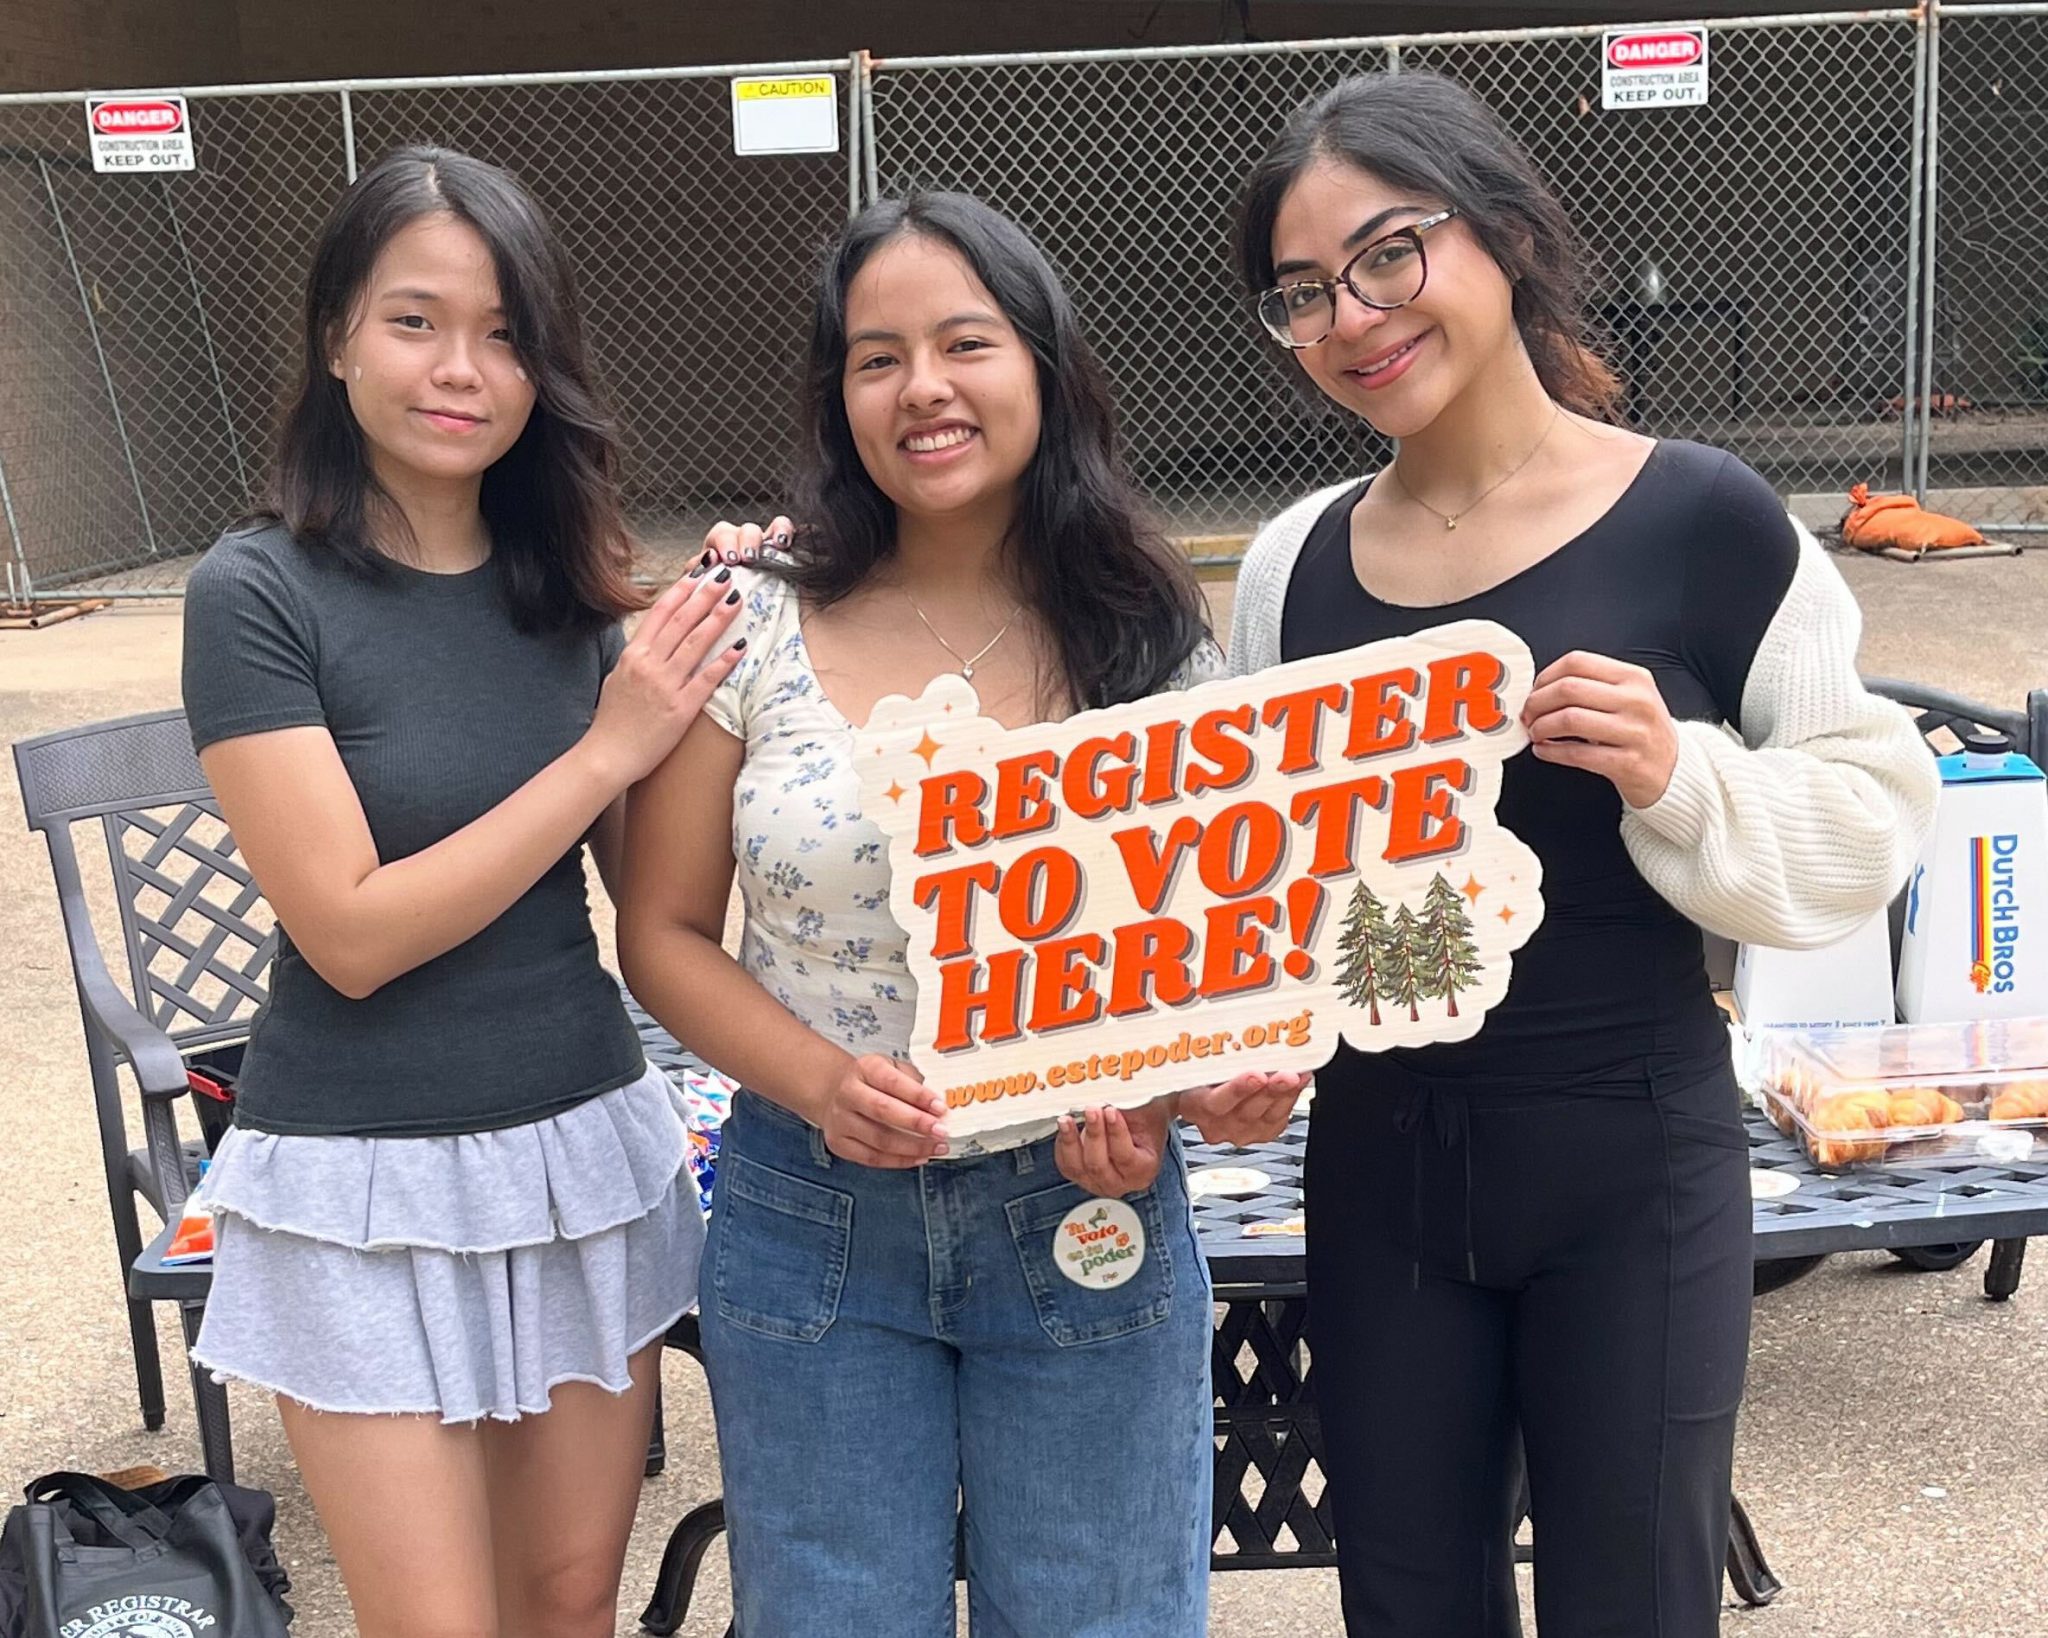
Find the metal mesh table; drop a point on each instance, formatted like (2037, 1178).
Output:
(1271, 1508)
(1863, 1210)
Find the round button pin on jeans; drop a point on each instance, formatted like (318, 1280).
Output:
(1099, 1244)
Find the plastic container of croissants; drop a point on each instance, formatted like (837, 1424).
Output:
(1910, 1094)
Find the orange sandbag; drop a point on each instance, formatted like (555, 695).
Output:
(1876, 522)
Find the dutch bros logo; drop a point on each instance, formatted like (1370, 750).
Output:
(1994, 913)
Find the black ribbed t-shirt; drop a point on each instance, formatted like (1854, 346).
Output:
(1682, 576)
(441, 708)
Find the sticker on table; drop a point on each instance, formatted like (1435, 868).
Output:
(1769, 1185)
(1100, 1244)
(1297, 1225)
(1227, 1180)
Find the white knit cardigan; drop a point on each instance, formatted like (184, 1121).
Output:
(1791, 836)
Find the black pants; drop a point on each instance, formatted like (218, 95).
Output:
(1573, 1265)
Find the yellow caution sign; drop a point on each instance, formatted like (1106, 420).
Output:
(776, 90)
(791, 114)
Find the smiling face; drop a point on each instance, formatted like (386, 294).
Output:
(431, 374)
(1397, 369)
(941, 392)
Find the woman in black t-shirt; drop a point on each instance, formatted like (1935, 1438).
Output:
(1546, 1227)
(450, 1232)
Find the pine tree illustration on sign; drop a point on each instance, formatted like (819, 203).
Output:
(1401, 963)
(1449, 957)
(1364, 935)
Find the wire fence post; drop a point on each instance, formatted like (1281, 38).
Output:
(348, 135)
(856, 143)
(1930, 265)
(871, 169)
(21, 584)
(1918, 226)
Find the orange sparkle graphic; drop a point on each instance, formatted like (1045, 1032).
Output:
(927, 748)
(1472, 889)
(895, 792)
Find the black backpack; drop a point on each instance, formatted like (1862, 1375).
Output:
(186, 1558)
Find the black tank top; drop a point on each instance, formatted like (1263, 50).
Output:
(1682, 576)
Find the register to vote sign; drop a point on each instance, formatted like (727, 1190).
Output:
(1234, 877)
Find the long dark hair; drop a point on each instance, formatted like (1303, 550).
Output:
(1120, 601)
(1423, 132)
(558, 539)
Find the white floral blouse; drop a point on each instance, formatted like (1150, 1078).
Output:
(813, 873)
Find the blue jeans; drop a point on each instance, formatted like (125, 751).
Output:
(889, 1349)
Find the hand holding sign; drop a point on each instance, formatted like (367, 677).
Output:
(1247, 870)
(1246, 1109)
(1113, 1153)
(1607, 717)
(880, 1114)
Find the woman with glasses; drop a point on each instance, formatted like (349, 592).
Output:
(1546, 1228)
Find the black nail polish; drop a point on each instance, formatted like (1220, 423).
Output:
(722, 576)
(732, 596)
(706, 560)
(736, 647)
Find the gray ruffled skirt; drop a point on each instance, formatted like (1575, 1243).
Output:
(462, 1277)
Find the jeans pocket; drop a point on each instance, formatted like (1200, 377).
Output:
(1074, 1315)
(783, 1244)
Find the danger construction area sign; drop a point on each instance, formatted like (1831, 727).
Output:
(140, 132)
(1653, 68)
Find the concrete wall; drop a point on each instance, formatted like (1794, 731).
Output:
(71, 44)
(62, 45)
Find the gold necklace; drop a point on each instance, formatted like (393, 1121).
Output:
(966, 665)
(1451, 518)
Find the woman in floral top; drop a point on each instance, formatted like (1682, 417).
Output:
(890, 1349)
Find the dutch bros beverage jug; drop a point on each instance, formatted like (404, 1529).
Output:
(1976, 934)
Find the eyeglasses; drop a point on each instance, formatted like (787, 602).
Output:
(1388, 273)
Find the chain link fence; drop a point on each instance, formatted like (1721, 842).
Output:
(149, 329)
(1752, 257)
(1860, 208)
(151, 322)
(1986, 358)
(1126, 170)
